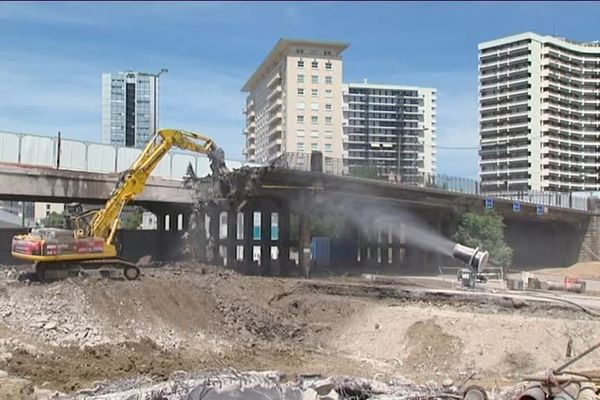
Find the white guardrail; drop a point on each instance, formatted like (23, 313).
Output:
(77, 155)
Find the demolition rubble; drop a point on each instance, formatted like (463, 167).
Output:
(92, 337)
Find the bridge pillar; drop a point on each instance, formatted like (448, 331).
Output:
(362, 249)
(248, 238)
(590, 245)
(161, 221)
(304, 245)
(214, 241)
(265, 242)
(284, 241)
(231, 239)
(173, 222)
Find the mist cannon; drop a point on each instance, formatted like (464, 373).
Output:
(474, 258)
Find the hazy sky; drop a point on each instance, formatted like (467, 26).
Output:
(52, 56)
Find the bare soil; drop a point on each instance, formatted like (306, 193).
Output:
(201, 318)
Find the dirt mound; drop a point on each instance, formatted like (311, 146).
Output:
(430, 348)
(193, 317)
(589, 270)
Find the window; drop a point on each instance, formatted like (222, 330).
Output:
(314, 92)
(327, 52)
(314, 134)
(314, 119)
(328, 134)
(314, 64)
(328, 93)
(300, 133)
(328, 147)
(328, 65)
(314, 106)
(300, 78)
(328, 107)
(300, 119)
(314, 79)
(328, 120)
(300, 64)
(300, 92)
(328, 80)
(300, 106)
(299, 51)
(300, 147)
(314, 146)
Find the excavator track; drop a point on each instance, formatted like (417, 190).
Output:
(52, 270)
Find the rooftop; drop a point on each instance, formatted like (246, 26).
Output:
(387, 86)
(281, 48)
(587, 47)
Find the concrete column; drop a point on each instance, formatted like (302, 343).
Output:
(213, 237)
(284, 241)
(185, 221)
(160, 221)
(198, 235)
(362, 248)
(248, 239)
(304, 245)
(231, 238)
(173, 222)
(265, 242)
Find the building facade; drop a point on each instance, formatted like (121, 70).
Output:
(294, 101)
(129, 108)
(539, 114)
(390, 127)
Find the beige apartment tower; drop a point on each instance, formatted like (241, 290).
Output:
(539, 114)
(294, 101)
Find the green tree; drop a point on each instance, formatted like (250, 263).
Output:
(54, 220)
(487, 232)
(133, 220)
(368, 172)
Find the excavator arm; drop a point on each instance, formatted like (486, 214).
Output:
(132, 182)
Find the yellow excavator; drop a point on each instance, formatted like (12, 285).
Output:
(90, 241)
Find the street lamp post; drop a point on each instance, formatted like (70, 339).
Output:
(156, 76)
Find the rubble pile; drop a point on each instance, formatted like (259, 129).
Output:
(267, 384)
(56, 314)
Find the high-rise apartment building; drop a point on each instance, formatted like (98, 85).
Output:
(390, 127)
(539, 121)
(294, 101)
(129, 108)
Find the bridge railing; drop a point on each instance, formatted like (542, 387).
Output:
(335, 166)
(77, 155)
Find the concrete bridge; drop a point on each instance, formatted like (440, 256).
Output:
(285, 198)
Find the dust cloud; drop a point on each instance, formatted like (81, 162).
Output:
(402, 225)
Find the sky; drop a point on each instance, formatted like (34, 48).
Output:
(52, 56)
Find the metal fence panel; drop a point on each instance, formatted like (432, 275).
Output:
(163, 169)
(126, 156)
(101, 158)
(180, 164)
(9, 147)
(202, 166)
(234, 164)
(72, 155)
(37, 150)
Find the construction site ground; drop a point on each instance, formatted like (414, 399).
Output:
(69, 334)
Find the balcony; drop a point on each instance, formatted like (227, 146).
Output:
(275, 92)
(275, 129)
(275, 105)
(275, 79)
(275, 117)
